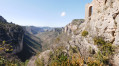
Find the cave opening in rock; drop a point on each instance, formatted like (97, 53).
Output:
(90, 10)
(105, 1)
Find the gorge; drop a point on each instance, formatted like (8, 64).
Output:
(93, 41)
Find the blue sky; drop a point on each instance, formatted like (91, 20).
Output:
(53, 13)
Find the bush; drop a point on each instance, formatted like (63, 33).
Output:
(99, 41)
(5, 62)
(57, 40)
(92, 62)
(103, 59)
(60, 58)
(84, 33)
(105, 50)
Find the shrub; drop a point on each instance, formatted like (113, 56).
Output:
(103, 59)
(99, 41)
(105, 50)
(76, 60)
(84, 33)
(3, 42)
(93, 62)
(60, 58)
(5, 62)
(57, 40)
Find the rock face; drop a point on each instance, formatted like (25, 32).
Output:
(2, 19)
(102, 19)
(73, 26)
(12, 35)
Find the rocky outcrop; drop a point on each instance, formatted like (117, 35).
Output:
(12, 35)
(101, 20)
(73, 26)
(2, 19)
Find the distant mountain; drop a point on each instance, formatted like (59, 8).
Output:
(36, 30)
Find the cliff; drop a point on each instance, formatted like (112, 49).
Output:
(11, 35)
(94, 40)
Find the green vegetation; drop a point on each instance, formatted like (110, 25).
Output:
(58, 57)
(105, 51)
(5, 62)
(84, 33)
(99, 41)
(106, 48)
(61, 58)
(6, 47)
(57, 40)
(93, 62)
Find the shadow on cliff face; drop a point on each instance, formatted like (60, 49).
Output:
(30, 48)
(26, 53)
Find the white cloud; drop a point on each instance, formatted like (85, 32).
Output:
(63, 14)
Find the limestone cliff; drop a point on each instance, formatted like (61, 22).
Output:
(12, 36)
(101, 20)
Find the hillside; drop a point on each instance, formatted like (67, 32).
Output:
(11, 41)
(35, 30)
(11, 35)
(16, 43)
(46, 35)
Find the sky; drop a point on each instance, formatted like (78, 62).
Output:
(52, 13)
